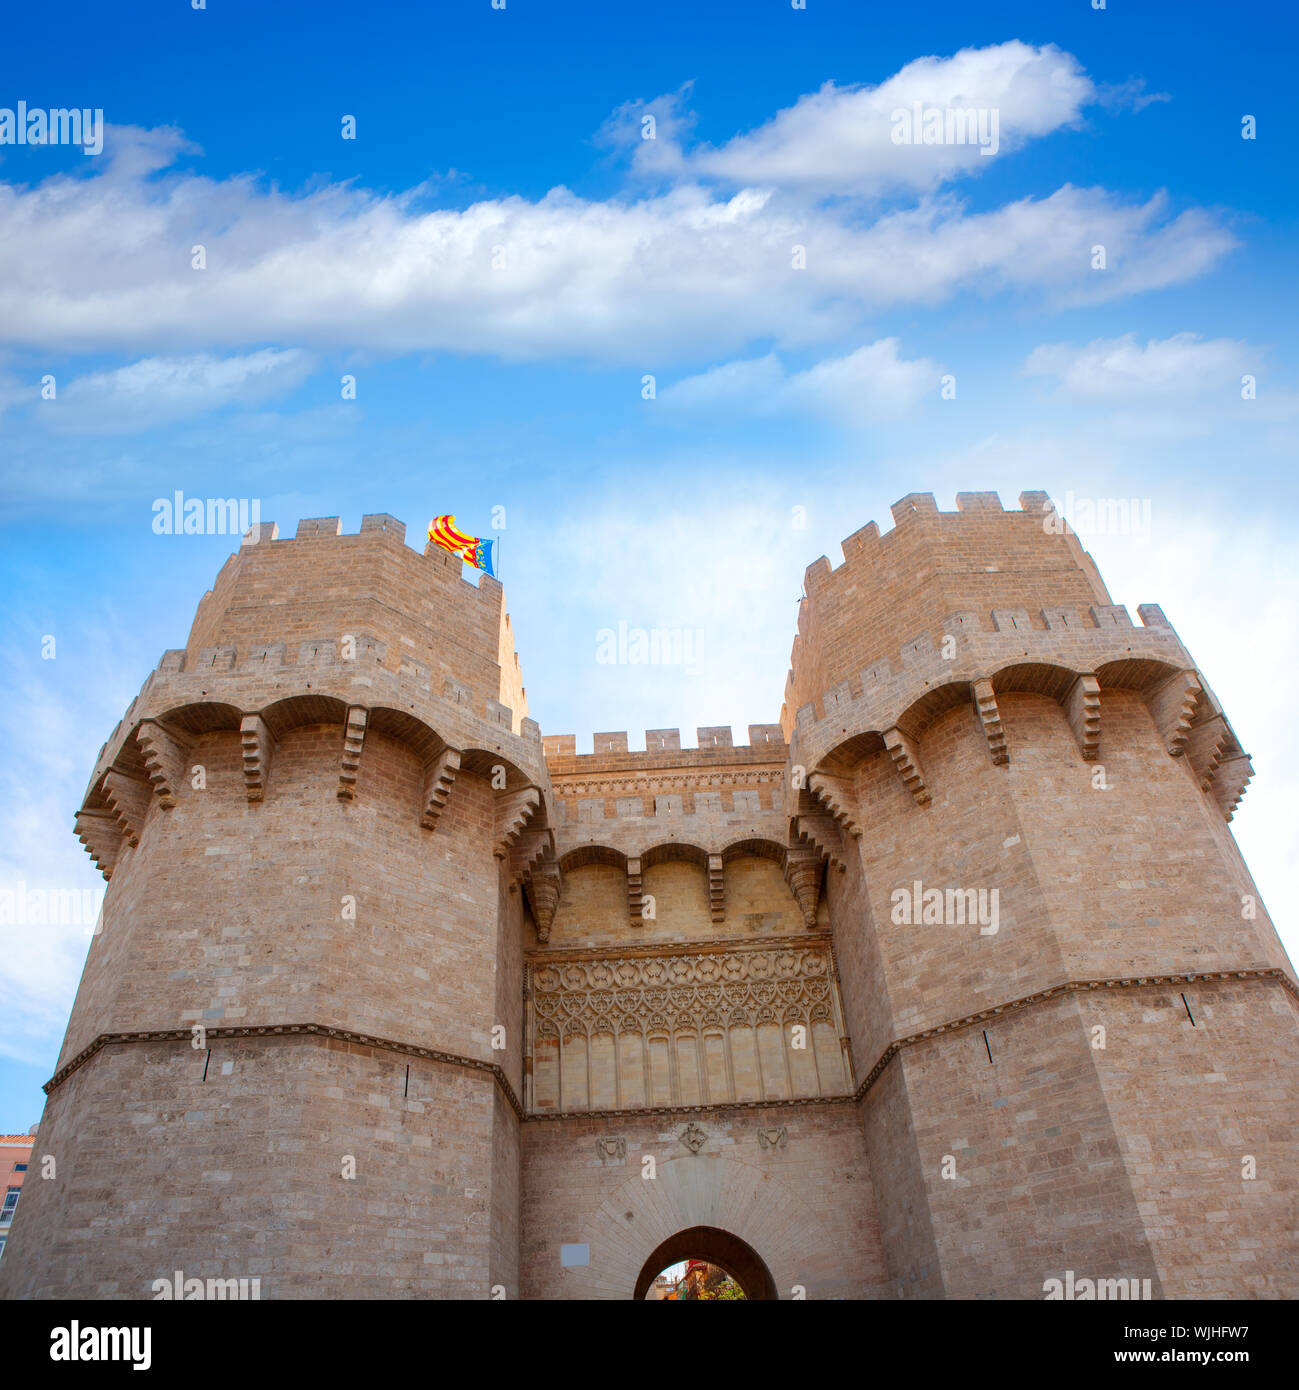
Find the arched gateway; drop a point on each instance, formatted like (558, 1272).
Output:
(737, 1257)
(710, 1206)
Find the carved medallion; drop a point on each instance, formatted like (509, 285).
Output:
(771, 1138)
(693, 1137)
(611, 1148)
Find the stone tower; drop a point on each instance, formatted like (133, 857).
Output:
(951, 982)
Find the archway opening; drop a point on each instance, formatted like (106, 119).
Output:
(714, 1247)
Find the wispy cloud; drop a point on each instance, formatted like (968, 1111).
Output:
(864, 387)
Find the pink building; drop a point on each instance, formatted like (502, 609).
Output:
(15, 1155)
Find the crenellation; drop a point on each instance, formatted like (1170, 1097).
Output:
(314, 527)
(861, 542)
(261, 533)
(836, 699)
(914, 504)
(1061, 619)
(317, 651)
(381, 521)
(978, 502)
(1011, 620)
(266, 656)
(498, 713)
(1111, 615)
(215, 659)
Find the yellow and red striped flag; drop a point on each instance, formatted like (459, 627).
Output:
(475, 549)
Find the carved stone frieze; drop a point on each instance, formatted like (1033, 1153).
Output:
(723, 989)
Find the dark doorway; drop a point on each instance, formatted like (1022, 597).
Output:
(739, 1259)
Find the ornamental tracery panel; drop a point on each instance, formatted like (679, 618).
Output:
(730, 1022)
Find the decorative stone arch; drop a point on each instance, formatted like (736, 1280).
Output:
(755, 848)
(295, 711)
(404, 727)
(709, 1190)
(923, 711)
(199, 717)
(737, 1257)
(1135, 673)
(593, 854)
(668, 850)
(1036, 678)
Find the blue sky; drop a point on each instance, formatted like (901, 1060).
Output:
(781, 393)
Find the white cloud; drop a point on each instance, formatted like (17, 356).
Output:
(1122, 371)
(103, 262)
(869, 385)
(841, 139)
(652, 130)
(157, 390)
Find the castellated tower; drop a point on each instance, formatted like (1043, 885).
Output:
(332, 907)
(950, 984)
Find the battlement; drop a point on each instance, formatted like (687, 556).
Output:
(979, 558)
(663, 747)
(304, 599)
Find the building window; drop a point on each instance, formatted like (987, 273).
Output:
(2, 1244)
(20, 1167)
(11, 1201)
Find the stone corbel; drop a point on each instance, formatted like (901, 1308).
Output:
(818, 830)
(1229, 783)
(128, 799)
(437, 787)
(1172, 707)
(1082, 708)
(907, 761)
(635, 882)
(513, 811)
(258, 744)
(803, 874)
(164, 760)
(543, 890)
(1206, 745)
(102, 836)
(838, 797)
(985, 704)
(529, 850)
(716, 888)
(353, 743)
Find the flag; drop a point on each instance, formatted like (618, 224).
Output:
(442, 531)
